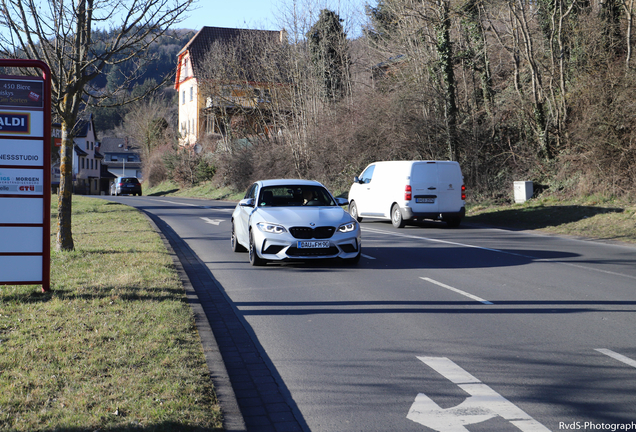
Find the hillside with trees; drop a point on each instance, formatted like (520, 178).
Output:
(541, 91)
(516, 90)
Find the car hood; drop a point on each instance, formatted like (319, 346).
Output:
(303, 216)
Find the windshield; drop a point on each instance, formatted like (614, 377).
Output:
(288, 196)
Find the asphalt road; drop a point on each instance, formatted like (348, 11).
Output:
(467, 329)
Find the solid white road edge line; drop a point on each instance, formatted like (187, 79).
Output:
(464, 293)
(617, 356)
(198, 205)
(180, 203)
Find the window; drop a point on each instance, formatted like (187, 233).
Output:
(367, 174)
(183, 97)
(191, 94)
(82, 163)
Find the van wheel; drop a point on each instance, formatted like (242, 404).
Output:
(453, 222)
(396, 217)
(353, 211)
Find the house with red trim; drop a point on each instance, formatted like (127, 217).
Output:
(213, 105)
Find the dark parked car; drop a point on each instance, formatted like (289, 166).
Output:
(126, 186)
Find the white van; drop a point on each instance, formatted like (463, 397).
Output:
(409, 191)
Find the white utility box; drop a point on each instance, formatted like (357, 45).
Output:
(523, 191)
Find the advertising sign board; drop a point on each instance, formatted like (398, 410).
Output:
(25, 180)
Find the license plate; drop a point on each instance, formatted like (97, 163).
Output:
(425, 200)
(313, 244)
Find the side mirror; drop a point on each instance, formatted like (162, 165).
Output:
(247, 202)
(356, 179)
(342, 201)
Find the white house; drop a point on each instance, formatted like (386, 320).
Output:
(87, 161)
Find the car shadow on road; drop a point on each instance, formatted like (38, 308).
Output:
(434, 257)
(462, 307)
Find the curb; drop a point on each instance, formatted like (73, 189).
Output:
(233, 420)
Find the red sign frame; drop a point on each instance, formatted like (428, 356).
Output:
(45, 165)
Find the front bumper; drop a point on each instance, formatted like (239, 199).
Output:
(278, 247)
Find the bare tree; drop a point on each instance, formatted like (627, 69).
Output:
(149, 123)
(64, 35)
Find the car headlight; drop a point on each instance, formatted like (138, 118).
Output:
(271, 228)
(348, 227)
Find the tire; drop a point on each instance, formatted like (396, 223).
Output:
(255, 260)
(453, 222)
(353, 211)
(355, 260)
(236, 246)
(396, 217)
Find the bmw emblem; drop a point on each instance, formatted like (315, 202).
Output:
(312, 224)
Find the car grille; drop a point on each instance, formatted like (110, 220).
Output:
(306, 233)
(294, 251)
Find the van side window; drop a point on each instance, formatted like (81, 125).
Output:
(367, 174)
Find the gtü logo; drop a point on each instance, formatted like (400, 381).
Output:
(27, 188)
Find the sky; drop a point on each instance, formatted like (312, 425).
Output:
(253, 14)
(269, 14)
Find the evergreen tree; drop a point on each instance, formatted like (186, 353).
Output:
(329, 54)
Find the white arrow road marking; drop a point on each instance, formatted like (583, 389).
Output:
(482, 404)
(617, 356)
(464, 293)
(368, 257)
(212, 221)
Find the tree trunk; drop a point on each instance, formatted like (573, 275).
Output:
(65, 194)
(445, 52)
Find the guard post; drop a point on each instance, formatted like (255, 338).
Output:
(25, 176)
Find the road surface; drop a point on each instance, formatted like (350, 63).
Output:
(467, 329)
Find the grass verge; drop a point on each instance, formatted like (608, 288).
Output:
(205, 190)
(113, 345)
(590, 217)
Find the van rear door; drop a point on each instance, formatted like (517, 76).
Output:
(425, 188)
(449, 187)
